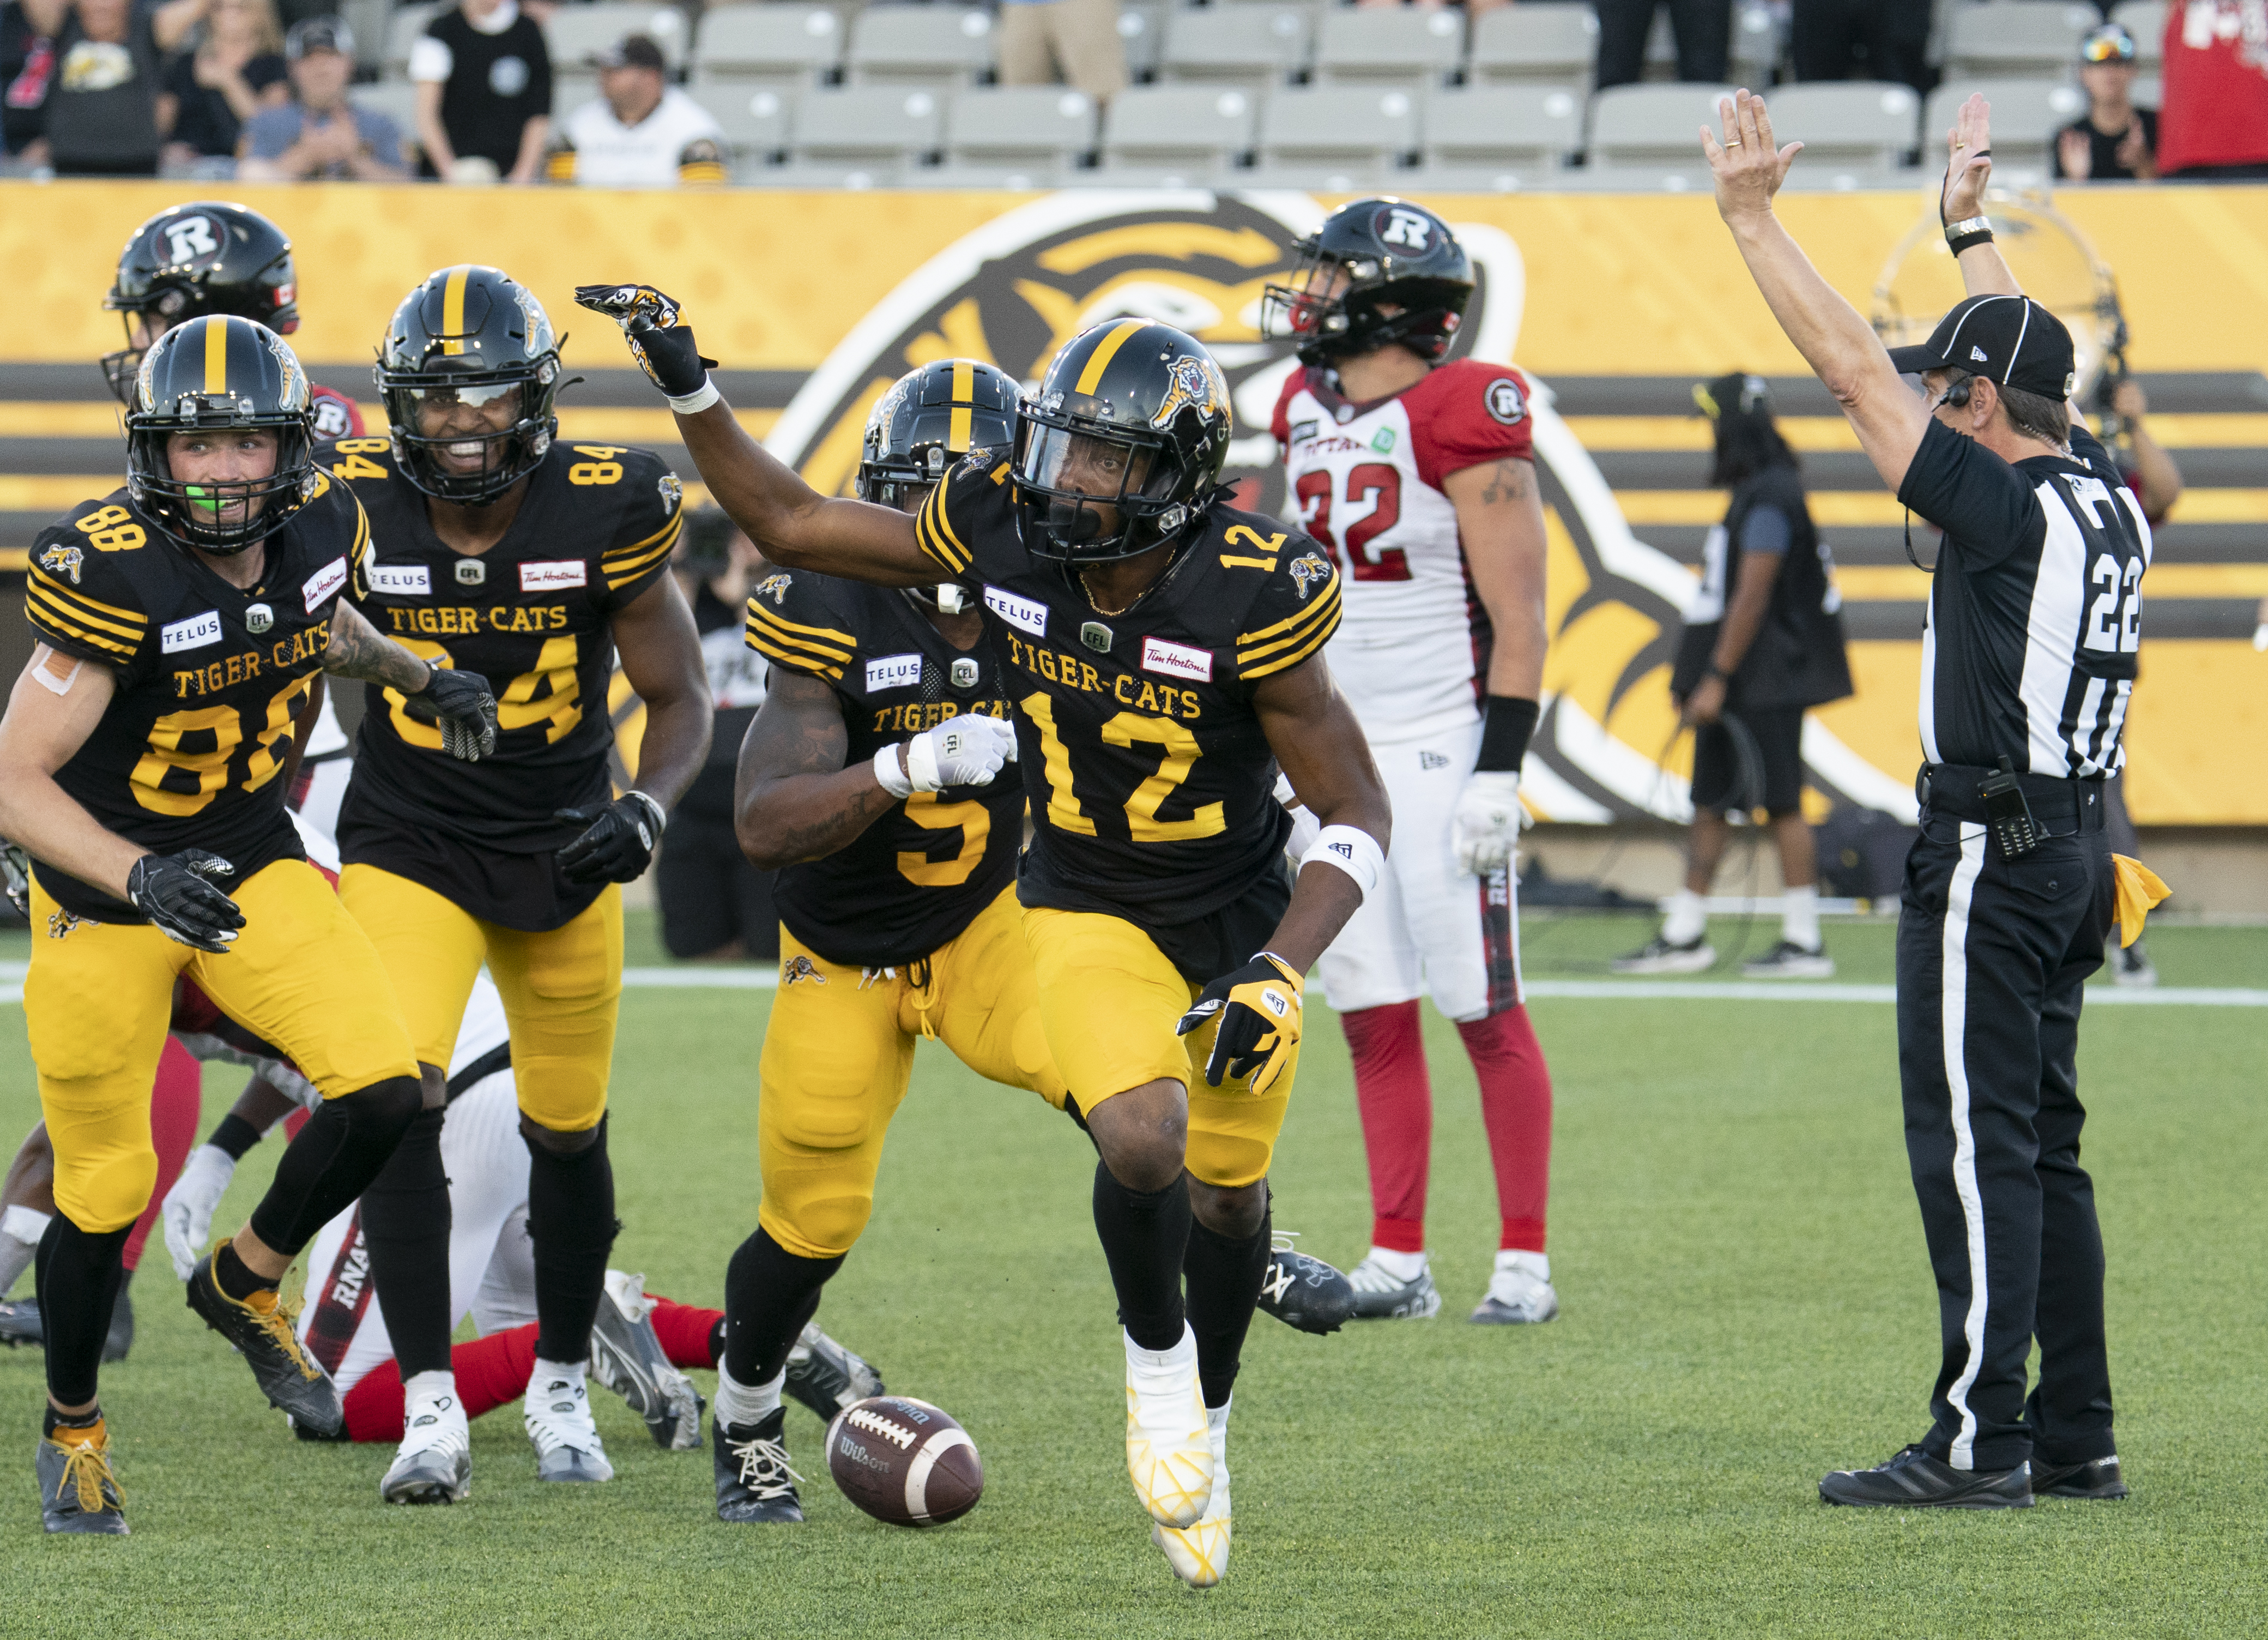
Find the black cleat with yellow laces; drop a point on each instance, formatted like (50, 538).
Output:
(78, 1491)
(261, 1329)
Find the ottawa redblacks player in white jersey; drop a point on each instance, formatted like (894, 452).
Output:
(1419, 476)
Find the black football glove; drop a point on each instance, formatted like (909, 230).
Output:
(1259, 1009)
(465, 707)
(15, 872)
(617, 842)
(171, 891)
(660, 340)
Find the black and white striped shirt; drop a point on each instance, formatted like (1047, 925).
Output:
(2036, 614)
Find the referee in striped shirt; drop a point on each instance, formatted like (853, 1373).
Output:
(2028, 663)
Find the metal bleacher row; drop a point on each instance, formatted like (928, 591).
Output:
(1295, 93)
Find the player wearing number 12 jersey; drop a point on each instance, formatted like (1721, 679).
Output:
(1420, 475)
(1161, 652)
(502, 550)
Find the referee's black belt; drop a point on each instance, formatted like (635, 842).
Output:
(2062, 807)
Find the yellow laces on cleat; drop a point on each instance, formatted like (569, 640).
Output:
(277, 1319)
(86, 1466)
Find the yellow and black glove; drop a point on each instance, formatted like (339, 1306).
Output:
(1259, 1009)
(660, 340)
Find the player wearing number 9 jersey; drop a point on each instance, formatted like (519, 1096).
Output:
(1164, 657)
(533, 562)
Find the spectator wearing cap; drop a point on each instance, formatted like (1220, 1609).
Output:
(1074, 42)
(2116, 141)
(640, 131)
(102, 104)
(2214, 127)
(483, 79)
(236, 70)
(322, 133)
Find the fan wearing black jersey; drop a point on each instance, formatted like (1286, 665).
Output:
(533, 561)
(1165, 656)
(182, 624)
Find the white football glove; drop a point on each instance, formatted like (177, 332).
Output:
(966, 750)
(1486, 825)
(190, 1204)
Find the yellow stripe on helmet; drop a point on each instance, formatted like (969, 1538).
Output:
(964, 385)
(1098, 361)
(453, 311)
(216, 356)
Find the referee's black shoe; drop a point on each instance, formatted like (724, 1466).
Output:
(1914, 1480)
(2097, 1479)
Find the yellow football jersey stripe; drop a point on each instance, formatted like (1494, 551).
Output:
(58, 626)
(638, 549)
(621, 570)
(1274, 648)
(934, 533)
(788, 652)
(133, 619)
(78, 610)
(788, 641)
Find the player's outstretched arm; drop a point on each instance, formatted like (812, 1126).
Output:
(1322, 748)
(1838, 345)
(791, 523)
(461, 701)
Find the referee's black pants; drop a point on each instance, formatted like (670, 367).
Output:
(1991, 956)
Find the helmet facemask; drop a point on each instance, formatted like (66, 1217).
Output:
(468, 435)
(222, 517)
(1092, 490)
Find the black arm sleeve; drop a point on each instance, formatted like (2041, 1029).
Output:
(1985, 506)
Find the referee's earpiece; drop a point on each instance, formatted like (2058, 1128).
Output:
(1957, 394)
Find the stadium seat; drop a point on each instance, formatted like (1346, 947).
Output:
(1857, 130)
(401, 33)
(1166, 133)
(1339, 137)
(2145, 20)
(1759, 41)
(1654, 128)
(1554, 43)
(574, 33)
(1252, 45)
(754, 117)
(2007, 39)
(941, 47)
(867, 136)
(2026, 115)
(1143, 28)
(1404, 46)
(397, 99)
(784, 47)
(1500, 137)
(1037, 132)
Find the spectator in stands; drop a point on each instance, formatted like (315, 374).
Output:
(1703, 28)
(2116, 141)
(640, 131)
(2214, 125)
(322, 133)
(1861, 40)
(484, 93)
(27, 67)
(102, 105)
(236, 70)
(1074, 42)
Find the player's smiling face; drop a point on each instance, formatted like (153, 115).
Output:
(467, 418)
(224, 456)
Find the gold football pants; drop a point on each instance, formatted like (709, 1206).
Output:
(561, 989)
(1109, 999)
(840, 1048)
(98, 998)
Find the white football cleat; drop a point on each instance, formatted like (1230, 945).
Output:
(1383, 1294)
(558, 1415)
(434, 1463)
(1199, 1554)
(627, 1356)
(1520, 1293)
(1169, 1441)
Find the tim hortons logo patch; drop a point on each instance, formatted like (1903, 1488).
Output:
(552, 574)
(325, 583)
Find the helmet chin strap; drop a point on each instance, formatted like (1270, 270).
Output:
(952, 598)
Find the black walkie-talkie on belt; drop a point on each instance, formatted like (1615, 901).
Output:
(2008, 815)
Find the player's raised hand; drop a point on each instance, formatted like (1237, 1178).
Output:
(1748, 168)
(660, 340)
(1485, 827)
(465, 707)
(1259, 1009)
(967, 750)
(1968, 161)
(617, 842)
(190, 1205)
(174, 892)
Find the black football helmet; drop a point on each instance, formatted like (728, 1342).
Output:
(1375, 251)
(929, 419)
(204, 257)
(470, 338)
(1132, 415)
(220, 374)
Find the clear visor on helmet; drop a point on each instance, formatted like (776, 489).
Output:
(1062, 461)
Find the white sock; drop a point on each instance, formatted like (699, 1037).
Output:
(1534, 1264)
(434, 1391)
(1402, 1266)
(1685, 918)
(741, 1407)
(1164, 1368)
(20, 1230)
(549, 1372)
(1799, 916)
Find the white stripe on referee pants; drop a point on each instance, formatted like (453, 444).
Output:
(1954, 987)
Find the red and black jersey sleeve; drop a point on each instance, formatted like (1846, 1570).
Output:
(793, 623)
(1470, 413)
(645, 505)
(81, 594)
(1280, 422)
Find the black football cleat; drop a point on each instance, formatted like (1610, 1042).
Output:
(2097, 1480)
(755, 1486)
(261, 1329)
(1304, 1292)
(825, 1377)
(78, 1491)
(1914, 1480)
(119, 1338)
(20, 1324)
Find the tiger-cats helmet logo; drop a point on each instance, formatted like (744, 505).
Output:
(1198, 384)
(1014, 290)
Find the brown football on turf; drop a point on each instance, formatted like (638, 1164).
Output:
(904, 1461)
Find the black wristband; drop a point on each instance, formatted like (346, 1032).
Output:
(1506, 727)
(1967, 241)
(234, 1135)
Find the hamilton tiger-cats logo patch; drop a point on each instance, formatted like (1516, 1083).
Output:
(797, 968)
(63, 560)
(774, 588)
(1306, 570)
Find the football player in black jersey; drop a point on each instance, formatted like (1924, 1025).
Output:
(531, 561)
(1163, 653)
(181, 622)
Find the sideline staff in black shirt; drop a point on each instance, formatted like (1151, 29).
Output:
(2028, 663)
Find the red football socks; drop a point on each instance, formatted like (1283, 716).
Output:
(1516, 1105)
(174, 1101)
(688, 1335)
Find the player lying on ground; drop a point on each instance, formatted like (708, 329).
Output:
(1163, 653)
(182, 620)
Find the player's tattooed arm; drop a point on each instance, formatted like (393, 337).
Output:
(1500, 526)
(1313, 734)
(792, 799)
(357, 649)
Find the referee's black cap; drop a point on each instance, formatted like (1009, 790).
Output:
(2012, 340)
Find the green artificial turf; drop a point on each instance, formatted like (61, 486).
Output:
(1747, 1303)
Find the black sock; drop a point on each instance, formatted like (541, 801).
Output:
(55, 1419)
(237, 1279)
(334, 1159)
(1225, 1273)
(770, 1295)
(78, 1274)
(571, 1218)
(405, 1224)
(1145, 1233)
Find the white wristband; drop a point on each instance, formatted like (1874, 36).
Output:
(652, 806)
(893, 779)
(1353, 850)
(694, 403)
